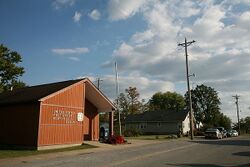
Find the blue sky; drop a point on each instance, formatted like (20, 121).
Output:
(34, 28)
(68, 39)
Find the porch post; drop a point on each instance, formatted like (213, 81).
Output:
(111, 123)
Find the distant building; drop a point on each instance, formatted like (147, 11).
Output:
(159, 122)
(53, 115)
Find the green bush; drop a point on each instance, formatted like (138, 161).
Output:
(171, 136)
(131, 133)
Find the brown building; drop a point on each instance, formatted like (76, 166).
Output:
(53, 115)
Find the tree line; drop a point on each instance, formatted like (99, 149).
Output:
(205, 102)
(244, 125)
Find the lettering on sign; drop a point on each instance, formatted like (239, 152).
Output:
(68, 116)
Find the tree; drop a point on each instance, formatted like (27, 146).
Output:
(247, 124)
(224, 121)
(244, 125)
(123, 106)
(133, 100)
(205, 102)
(169, 101)
(129, 103)
(103, 117)
(9, 70)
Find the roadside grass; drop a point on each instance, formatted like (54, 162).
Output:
(246, 135)
(11, 153)
(153, 137)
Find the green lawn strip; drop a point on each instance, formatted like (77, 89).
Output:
(5, 153)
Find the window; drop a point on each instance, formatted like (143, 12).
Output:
(143, 125)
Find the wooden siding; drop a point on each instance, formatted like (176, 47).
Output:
(71, 96)
(58, 117)
(96, 127)
(19, 124)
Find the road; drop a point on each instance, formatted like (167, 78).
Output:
(177, 153)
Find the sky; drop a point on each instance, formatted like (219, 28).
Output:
(69, 39)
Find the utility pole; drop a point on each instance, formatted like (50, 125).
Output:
(191, 119)
(117, 94)
(98, 83)
(237, 108)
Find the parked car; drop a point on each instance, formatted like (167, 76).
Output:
(220, 128)
(213, 133)
(233, 133)
(225, 133)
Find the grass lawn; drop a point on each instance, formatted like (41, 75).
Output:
(9, 153)
(151, 137)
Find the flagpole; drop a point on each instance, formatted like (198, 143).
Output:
(117, 96)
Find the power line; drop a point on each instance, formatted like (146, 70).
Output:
(191, 119)
(237, 109)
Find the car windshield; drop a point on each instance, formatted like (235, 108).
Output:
(209, 130)
(220, 128)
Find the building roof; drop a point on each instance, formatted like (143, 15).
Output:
(33, 93)
(157, 116)
(41, 92)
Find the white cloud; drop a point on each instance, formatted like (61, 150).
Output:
(77, 16)
(95, 14)
(180, 9)
(244, 20)
(140, 37)
(146, 89)
(58, 4)
(163, 26)
(120, 9)
(74, 58)
(70, 51)
(211, 19)
(219, 58)
(229, 107)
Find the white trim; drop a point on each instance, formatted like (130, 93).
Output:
(57, 146)
(55, 105)
(62, 124)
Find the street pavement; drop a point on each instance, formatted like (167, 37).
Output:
(230, 152)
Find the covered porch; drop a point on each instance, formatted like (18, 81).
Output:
(95, 103)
